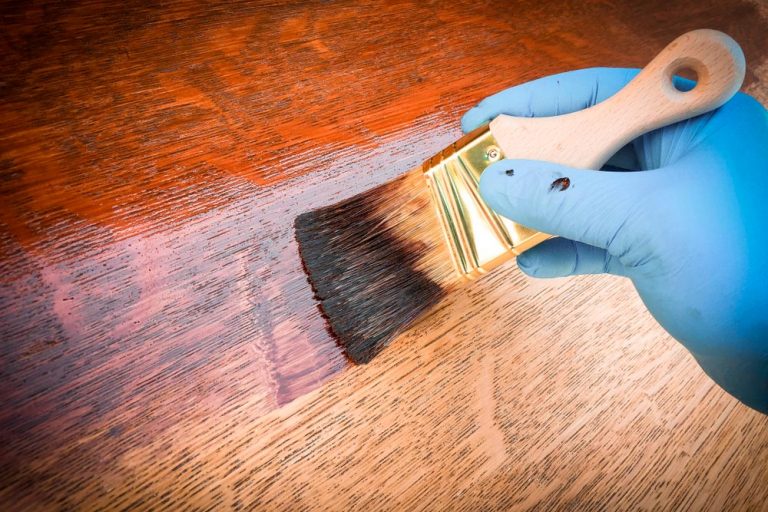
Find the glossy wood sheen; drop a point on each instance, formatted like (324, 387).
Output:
(160, 346)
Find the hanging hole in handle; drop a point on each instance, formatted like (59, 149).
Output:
(690, 78)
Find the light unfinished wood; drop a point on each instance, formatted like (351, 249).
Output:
(517, 394)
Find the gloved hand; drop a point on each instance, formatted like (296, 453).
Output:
(689, 226)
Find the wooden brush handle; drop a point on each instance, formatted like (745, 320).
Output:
(588, 138)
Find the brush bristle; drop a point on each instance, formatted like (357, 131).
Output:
(377, 262)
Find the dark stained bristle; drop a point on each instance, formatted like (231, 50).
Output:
(375, 262)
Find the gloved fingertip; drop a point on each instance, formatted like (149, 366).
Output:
(473, 118)
(528, 264)
(548, 259)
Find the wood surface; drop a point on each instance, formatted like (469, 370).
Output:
(160, 347)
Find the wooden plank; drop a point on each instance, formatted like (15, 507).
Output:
(160, 343)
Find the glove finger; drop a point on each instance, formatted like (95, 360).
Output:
(551, 95)
(587, 206)
(560, 257)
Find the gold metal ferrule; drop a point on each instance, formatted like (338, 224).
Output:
(478, 238)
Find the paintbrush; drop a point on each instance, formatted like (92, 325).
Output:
(380, 260)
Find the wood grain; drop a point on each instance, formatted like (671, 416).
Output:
(160, 344)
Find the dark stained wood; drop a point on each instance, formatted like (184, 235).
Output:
(159, 343)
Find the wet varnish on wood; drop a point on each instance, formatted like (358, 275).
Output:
(160, 345)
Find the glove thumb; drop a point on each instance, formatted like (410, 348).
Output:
(598, 208)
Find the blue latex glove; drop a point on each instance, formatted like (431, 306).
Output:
(689, 226)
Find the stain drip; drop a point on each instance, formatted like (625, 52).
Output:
(560, 184)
